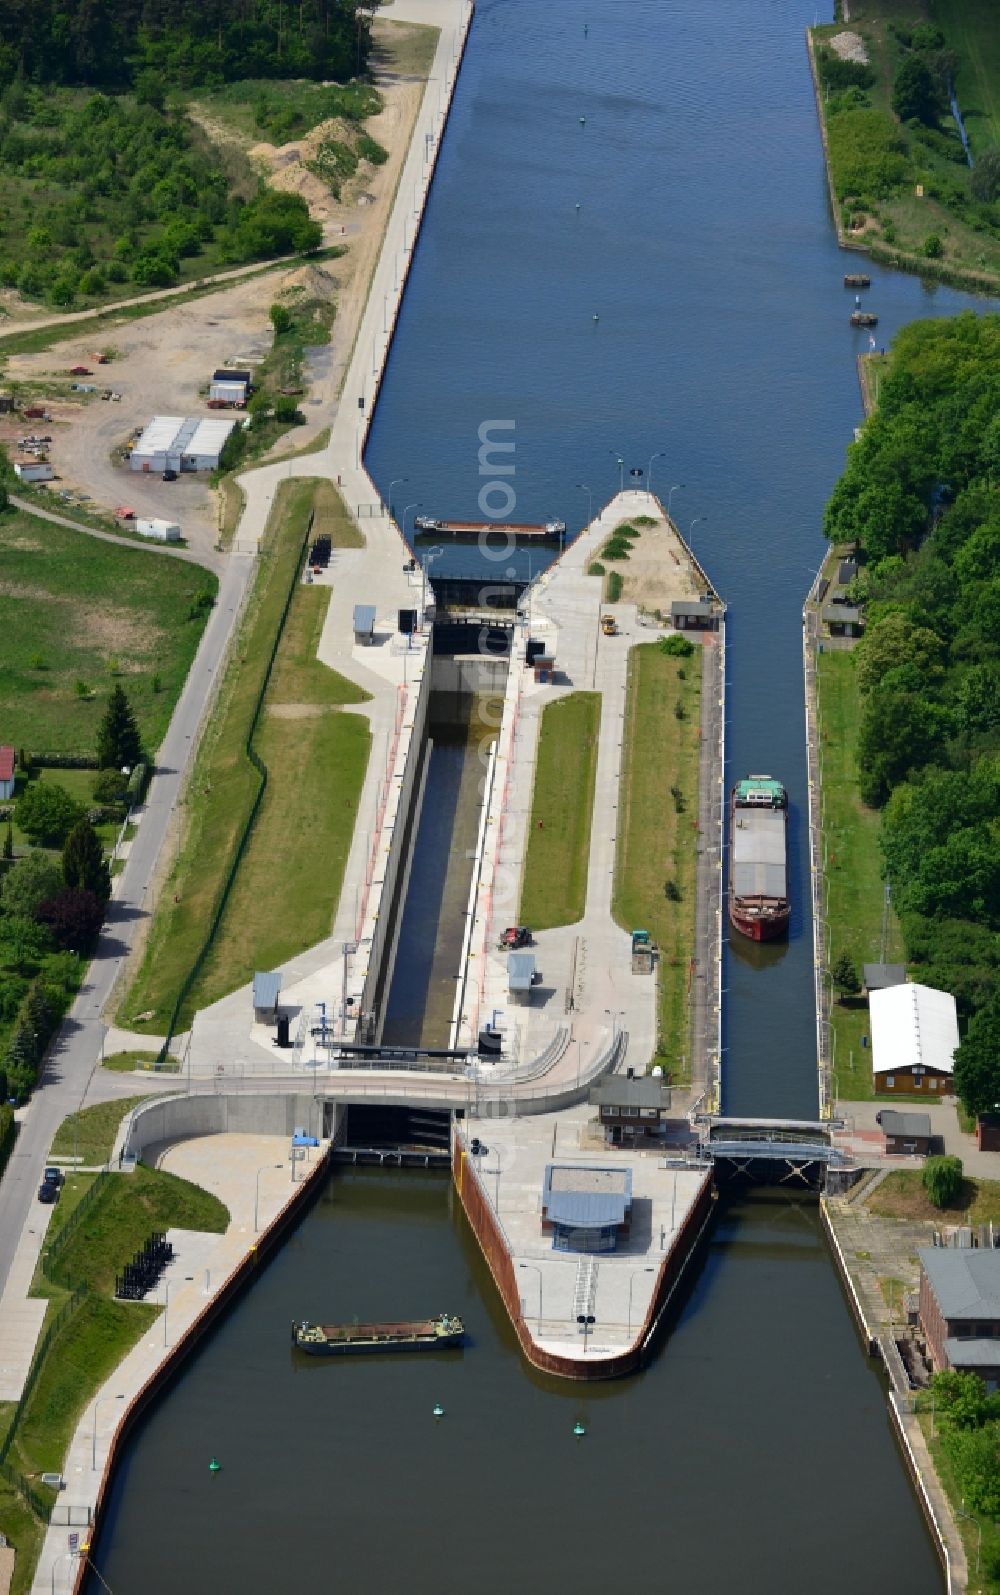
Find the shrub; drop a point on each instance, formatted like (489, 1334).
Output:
(281, 319)
(671, 891)
(614, 587)
(942, 1179)
(595, 568)
(933, 247)
(47, 814)
(845, 976)
(677, 646)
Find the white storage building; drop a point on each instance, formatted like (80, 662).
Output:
(162, 531)
(914, 1036)
(178, 443)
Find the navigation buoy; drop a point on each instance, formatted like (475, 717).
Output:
(438, 1410)
(579, 1430)
(578, 204)
(214, 1466)
(586, 29)
(583, 121)
(596, 316)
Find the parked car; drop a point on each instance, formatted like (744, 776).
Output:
(54, 1176)
(170, 476)
(48, 1191)
(513, 937)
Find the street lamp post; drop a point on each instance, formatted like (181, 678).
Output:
(677, 487)
(166, 1298)
(428, 560)
(590, 501)
(632, 1279)
(62, 1557)
(614, 1015)
(539, 1273)
(621, 469)
(256, 1194)
(660, 454)
(692, 527)
(93, 1437)
(416, 505)
(395, 483)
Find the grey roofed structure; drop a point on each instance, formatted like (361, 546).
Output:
(266, 987)
(966, 1284)
(846, 571)
(586, 1197)
(692, 611)
(364, 621)
(877, 977)
(914, 1125)
(617, 1091)
(231, 374)
(842, 615)
(758, 855)
(520, 971)
(983, 1352)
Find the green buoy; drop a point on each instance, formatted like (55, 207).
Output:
(214, 1466)
(579, 1430)
(438, 1410)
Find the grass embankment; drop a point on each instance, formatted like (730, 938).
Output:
(289, 879)
(855, 891)
(877, 163)
(74, 609)
(128, 1062)
(90, 1134)
(657, 832)
(95, 1335)
(555, 870)
(902, 1195)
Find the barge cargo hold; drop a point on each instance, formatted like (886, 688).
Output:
(758, 864)
(857, 279)
(549, 532)
(339, 1340)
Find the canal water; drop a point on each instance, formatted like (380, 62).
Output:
(422, 989)
(754, 1454)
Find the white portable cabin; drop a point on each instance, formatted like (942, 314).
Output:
(228, 392)
(161, 531)
(34, 470)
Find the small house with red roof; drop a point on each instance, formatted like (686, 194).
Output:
(6, 773)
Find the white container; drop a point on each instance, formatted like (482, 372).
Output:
(162, 531)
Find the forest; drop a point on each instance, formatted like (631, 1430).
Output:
(101, 190)
(113, 43)
(921, 500)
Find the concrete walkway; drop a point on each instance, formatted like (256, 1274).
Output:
(241, 1170)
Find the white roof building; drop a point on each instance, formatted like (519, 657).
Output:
(913, 1027)
(179, 443)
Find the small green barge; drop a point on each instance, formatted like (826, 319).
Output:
(339, 1340)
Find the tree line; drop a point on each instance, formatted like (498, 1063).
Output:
(185, 42)
(920, 499)
(53, 898)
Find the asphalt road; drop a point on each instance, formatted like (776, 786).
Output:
(75, 1053)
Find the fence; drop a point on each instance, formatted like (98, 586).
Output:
(69, 1229)
(817, 876)
(39, 1502)
(241, 846)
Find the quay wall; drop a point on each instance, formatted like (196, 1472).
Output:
(243, 1275)
(493, 1245)
(180, 1118)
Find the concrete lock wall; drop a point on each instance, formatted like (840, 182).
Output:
(403, 833)
(470, 678)
(181, 1118)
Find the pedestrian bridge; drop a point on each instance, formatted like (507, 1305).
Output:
(803, 1148)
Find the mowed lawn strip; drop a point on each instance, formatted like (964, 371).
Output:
(101, 1331)
(75, 609)
(90, 1134)
(658, 835)
(555, 870)
(902, 1195)
(288, 882)
(972, 27)
(855, 891)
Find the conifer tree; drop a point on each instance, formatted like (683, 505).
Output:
(118, 740)
(84, 866)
